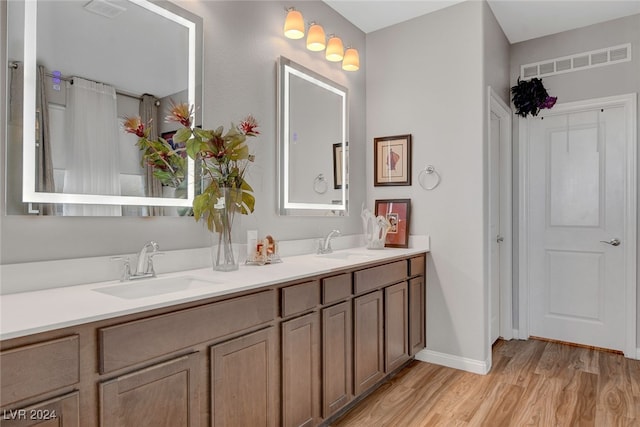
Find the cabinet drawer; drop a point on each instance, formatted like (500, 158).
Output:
(39, 368)
(59, 411)
(416, 266)
(375, 277)
(298, 298)
(135, 342)
(336, 288)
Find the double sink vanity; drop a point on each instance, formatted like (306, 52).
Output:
(291, 344)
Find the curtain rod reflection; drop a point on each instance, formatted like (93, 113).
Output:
(14, 65)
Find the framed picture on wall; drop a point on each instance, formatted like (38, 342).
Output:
(398, 213)
(392, 160)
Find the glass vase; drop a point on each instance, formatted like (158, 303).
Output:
(222, 252)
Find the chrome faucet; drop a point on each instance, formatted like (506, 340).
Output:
(144, 267)
(324, 245)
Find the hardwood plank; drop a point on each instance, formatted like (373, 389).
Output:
(531, 383)
(633, 367)
(519, 370)
(585, 410)
(615, 399)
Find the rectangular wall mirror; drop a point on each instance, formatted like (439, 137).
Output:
(76, 69)
(313, 149)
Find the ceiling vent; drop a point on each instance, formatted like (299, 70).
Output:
(104, 8)
(577, 62)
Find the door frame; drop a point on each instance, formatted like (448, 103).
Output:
(503, 111)
(629, 103)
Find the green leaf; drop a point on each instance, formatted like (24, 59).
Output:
(193, 148)
(240, 153)
(182, 135)
(202, 133)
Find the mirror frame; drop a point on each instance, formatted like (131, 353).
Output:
(286, 68)
(29, 194)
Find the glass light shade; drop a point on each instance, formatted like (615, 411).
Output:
(316, 38)
(294, 25)
(351, 61)
(335, 50)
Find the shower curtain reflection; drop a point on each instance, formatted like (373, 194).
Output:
(92, 152)
(44, 162)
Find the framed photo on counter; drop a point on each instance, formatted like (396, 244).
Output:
(398, 213)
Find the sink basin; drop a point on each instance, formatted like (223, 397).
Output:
(152, 287)
(347, 256)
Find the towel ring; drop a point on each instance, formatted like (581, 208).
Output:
(320, 185)
(428, 171)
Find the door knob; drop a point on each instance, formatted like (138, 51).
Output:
(499, 239)
(612, 242)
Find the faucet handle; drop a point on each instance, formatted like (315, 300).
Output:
(126, 270)
(150, 268)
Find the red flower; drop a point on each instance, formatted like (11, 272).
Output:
(249, 125)
(180, 113)
(134, 125)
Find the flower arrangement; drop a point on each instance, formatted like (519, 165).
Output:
(223, 157)
(530, 96)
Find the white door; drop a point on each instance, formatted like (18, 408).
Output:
(577, 176)
(494, 226)
(499, 219)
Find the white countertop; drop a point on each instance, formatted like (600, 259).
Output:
(39, 311)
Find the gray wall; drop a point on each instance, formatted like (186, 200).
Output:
(427, 77)
(242, 41)
(610, 80)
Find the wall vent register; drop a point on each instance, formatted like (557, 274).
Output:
(579, 61)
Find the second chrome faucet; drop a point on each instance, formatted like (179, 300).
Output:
(324, 245)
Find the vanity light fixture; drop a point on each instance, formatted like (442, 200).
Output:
(294, 24)
(351, 61)
(315, 38)
(335, 50)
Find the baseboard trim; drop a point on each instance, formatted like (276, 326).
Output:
(457, 362)
(637, 353)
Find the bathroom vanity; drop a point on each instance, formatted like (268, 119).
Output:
(296, 348)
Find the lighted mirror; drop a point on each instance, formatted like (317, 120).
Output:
(76, 69)
(313, 149)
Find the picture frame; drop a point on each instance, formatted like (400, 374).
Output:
(398, 213)
(168, 136)
(392, 160)
(338, 180)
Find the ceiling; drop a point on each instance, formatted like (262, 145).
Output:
(520, 19)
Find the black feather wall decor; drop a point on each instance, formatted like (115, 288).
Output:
(530, 96)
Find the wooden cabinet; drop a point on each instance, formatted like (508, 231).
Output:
(61, 411)
(295, 353)
(301, 371)
(368, 341)
(32, 370)
(164, 394)
(244, 381)
(396, 328)
(417, 325)
(337, 353)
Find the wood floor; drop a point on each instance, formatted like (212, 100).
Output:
(532, 383)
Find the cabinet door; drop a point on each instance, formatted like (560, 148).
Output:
(244, 383)
(396, 330)
(301, 371)
(58, 412)
(368, 341)
(417, 302)
(161, 395)
(336, 358)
